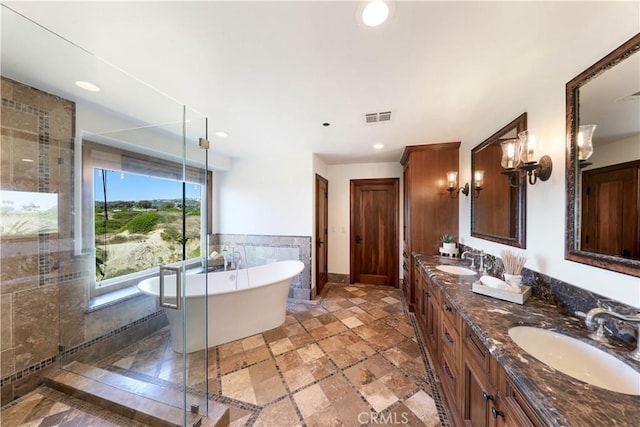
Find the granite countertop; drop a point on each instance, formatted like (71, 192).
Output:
(560, 399)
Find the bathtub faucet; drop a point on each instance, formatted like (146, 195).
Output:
(237, 263)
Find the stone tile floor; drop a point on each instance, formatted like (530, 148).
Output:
(348, 358)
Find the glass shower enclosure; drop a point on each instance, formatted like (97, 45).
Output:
(117, 191)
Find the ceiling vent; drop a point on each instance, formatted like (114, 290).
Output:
(383, 116)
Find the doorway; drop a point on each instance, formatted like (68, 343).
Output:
(374, 231)
(322, 215)
(610, 198)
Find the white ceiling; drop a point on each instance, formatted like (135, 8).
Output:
(270, 73)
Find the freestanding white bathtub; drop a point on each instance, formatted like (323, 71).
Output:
(255, 306)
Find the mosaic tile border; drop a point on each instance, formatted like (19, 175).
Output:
(43, 179)
(436, 388)
(74, 350)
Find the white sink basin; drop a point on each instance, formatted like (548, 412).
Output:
(454, 269)
(577, 359)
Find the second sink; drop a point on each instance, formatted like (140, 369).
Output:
(454, 269)
(577, 359)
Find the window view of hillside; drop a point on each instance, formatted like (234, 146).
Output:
(138, 222)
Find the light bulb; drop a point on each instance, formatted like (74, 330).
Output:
(375, 13)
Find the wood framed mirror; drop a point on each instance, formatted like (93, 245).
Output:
(498, 211)
(603, 190)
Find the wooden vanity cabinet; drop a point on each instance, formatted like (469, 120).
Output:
(476, 387)
(422, 294)
(487, 396)
(449, 353)
(478, 400)
(431, 295)
(517, 411)
(429, 212)
(405, 283)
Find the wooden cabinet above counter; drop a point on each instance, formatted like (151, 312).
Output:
(429, 211)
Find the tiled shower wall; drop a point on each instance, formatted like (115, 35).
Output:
(36, 156)
(44, 286)
(262, 249)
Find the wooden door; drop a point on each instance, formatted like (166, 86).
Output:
(322, 219)
(610, 205)
(374, 231)
(476, 396)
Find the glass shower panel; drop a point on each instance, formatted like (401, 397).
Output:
(197, 223)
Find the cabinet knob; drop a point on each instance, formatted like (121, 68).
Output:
(486, 396)
(426, 294)
(447, 308)
(496, 413)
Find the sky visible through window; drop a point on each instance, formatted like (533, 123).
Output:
(128, 186)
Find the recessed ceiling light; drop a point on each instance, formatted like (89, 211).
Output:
(378, 146)
(87, 86)
(375, 13)
(222, 134)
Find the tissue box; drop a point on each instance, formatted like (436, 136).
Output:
(518, 298)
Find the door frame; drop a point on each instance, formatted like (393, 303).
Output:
(395, 182)
(320, 234)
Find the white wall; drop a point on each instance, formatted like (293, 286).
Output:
(542, 96)
(267, 196)
(339, 213)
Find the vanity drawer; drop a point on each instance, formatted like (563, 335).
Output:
(449, 338)
(475, 350)
(449, 312)
(448, 373)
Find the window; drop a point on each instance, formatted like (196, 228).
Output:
(133, 214)
(139, 222)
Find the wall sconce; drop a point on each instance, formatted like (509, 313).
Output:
(519, 157)
(511, 160)
(584, 144)
(540, 169)
(452, 182)
(478, 180)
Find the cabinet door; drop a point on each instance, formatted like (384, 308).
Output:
(406, 277)
(432, 318)
(421, 305)
(505, 418)
(477, 395)
(514, 409)
(448, 374)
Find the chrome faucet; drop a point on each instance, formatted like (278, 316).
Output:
(239, 262)
(483, 264)
(469, 254)
(482, 267)
(596, 318)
